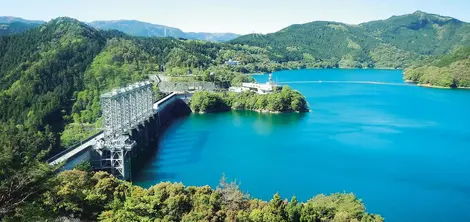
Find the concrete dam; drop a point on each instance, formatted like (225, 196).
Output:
(132, 124)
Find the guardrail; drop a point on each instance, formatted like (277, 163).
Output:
(57, 156)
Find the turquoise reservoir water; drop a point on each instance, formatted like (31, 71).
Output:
(404, 150)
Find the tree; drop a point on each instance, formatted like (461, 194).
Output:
(275, 210)
(293, 210)
(23, 175)
(231, 196)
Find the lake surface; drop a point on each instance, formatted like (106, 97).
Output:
(404, 150)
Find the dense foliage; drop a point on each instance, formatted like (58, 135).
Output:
(23, 174)
(29, 191)
(284, 100)
(40, 70)
(99, 196)
(420, 32)
(452, 70)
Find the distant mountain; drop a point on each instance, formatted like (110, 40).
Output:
(214, 37)
(15, 27)
(11, 19)
(138, 28)
(395, 42)
(130, 27)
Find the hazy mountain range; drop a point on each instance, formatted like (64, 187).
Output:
(138, 28)
(130, 27)
(11, 19)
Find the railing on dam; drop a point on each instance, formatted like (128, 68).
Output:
(174, 95)
(53, 159)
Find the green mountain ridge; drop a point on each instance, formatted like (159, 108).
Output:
(40, 69)
(424, 32)
(397, 42)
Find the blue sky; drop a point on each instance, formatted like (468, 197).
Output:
(239, 16)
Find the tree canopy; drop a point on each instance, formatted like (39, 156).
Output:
(100, 196)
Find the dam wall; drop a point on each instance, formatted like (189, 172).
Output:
(145, 135)
(148, 135)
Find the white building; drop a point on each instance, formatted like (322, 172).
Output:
(259, 88)
(237, 89)
(231, 62)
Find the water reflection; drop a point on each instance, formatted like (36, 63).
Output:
(282, 119)
(180, 147)
(265, 123)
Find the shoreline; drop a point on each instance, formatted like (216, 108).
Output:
(441, 87)
(432, 86)
(316, 68)
(427, 85)
(405, 80)
(258, 111)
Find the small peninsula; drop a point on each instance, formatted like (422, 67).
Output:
(448, 71)
(283, 99)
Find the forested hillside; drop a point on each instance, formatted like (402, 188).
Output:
(41, 68)
(452, 70)
(420, 32)
(397, 42)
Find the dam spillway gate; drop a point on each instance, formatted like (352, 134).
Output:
(123, 111)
